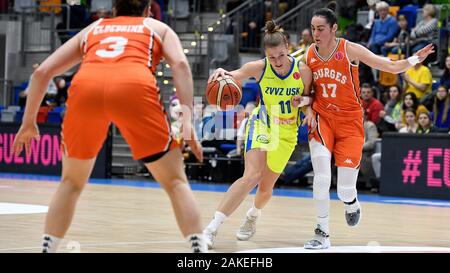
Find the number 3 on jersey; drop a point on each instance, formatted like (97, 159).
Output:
(115, 48)
(327, 88)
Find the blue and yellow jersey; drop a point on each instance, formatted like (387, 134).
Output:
(277, 93)
(273, 125)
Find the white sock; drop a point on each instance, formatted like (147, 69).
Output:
(50, 243)
(254, 211)
(218, 219)
(322, 213)
(323, 223)
(197, 243)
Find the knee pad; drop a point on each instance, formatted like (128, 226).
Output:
(346, 194)
(321, 186)
(318, 149)
(346, 183)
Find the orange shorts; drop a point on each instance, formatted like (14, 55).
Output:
(124, 94)
(343, 138)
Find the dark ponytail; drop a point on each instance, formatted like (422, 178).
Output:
(328, 13)
(130, 7)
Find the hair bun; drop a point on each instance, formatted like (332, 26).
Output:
(272, 27)
(332, 5)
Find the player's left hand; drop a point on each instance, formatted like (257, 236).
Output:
(310, 120)
(424, 52)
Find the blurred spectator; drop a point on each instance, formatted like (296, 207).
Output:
(78, 19)
(176, 119)
(283, 6)
(426, 126)
(356, 33)
(376, 165)
(4, 6)
(61, 96)
(198, 118)
(426, 31)
(297, 171)
(155, 10)
(370, 137)
(372, 106)
(50, 6)
(24, 5)
(97, 5)
(372, 11)
(250, 92)
(251, 35)
(231, 5)
(399, 44)
(402, 3)
(391, 115)
(365, 74)
(268, 10)
(306, 40)
(410, 101)
(384, 29)
(411, 125)
(179, 8)
(291, 46)
(51, 93)
(441, 108)
(418, 79)
(445, 79)
(101, 13)
(209, 114)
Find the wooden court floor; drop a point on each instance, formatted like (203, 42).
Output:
(135, 219)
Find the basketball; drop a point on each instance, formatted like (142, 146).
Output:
(224, 92)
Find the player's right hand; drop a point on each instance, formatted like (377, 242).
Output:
(220, 72)
(24, 136)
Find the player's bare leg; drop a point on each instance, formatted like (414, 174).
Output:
(75, 174)
(168, 171)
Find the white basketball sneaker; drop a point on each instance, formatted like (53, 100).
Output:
(247, 229)
(210, 237)
(353, 213)
(321, 240)
(197, 243)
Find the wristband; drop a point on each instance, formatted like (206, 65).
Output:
(413, 60)
(305, 101)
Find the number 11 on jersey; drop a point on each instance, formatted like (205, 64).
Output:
(288, 107)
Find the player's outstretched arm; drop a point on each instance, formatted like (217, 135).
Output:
(182, 75)
(64, 58)
(306, 99)
(251, 69)
(357, 53)
(182, 78)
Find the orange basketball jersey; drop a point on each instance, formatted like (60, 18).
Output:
(336, 83)
(122, 39)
